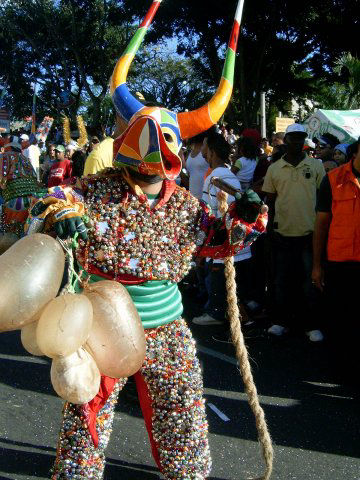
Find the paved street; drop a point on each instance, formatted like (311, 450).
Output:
(314, 421)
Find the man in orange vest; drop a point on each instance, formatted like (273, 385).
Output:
(336, 262)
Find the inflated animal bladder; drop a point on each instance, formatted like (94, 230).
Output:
(75, 378)
(31, 271)
(117, 338)
(64, 325)
(6, 241)
(28, 339)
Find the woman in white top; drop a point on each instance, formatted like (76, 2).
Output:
(244, 166)
(196, 166)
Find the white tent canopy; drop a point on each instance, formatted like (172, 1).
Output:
(344, 124)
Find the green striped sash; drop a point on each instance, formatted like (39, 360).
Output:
(158, 302)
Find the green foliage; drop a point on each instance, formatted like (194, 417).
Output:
(168, 79)
(288, 49)
(344, 93)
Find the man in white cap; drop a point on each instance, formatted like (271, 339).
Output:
(291, 185)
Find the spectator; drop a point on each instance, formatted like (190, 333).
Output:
(336, 266)
(224, 132)
(244, 166)
(277, 139)
(196, 166)
(78, 163)
(218, 151)
(61, 169)
(325, 145)
(278, 152)
(329, 165)
(340, 153)
(291, 185)
(231, 138)
(94, 142)
(70, 148)
(49, 160)
(265, 145)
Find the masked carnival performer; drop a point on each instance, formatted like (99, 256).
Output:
(143, 232)
(19, 187)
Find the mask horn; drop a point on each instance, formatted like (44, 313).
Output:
(125, 103)
(198, 121)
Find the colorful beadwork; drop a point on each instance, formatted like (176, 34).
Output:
(127, 236)
(179, 428)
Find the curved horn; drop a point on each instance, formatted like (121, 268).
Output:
(200, 120)
(125, 103)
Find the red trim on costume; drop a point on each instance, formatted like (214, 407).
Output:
(234, 37)
(147, 411)
(92, 408)
(150, 15)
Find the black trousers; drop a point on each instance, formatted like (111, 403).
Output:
(342, 293)
(296, 298)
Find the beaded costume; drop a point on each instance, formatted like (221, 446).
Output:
(147, 244)
(19, 187)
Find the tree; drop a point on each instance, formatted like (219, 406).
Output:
(64, 45)
(168, 79)
(344, 93)
(280, 41)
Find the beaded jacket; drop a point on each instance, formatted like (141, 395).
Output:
(131, 241)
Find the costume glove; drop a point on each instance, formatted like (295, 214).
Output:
(69, 226)
(248, 206)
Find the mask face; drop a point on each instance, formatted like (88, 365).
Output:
(151, 144)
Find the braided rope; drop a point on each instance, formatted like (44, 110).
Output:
(242, 355)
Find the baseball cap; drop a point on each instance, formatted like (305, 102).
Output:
(24, 137)
(296, 128)
(60, 148)
(327, 139)
(342, 147)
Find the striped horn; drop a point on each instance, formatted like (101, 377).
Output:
(125, 103)
(200, 120)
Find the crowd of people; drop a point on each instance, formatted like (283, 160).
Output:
(274, 275)
(281, 276)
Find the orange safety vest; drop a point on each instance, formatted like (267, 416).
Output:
(344, 234)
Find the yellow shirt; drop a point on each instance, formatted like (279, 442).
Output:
(295, 189)
(101, 157)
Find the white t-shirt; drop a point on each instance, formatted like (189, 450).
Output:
(197, 168)
(210, 197)
(33, 154)
(246, 171)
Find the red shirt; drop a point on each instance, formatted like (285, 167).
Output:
(59, 171)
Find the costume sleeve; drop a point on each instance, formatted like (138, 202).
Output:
(226, 236)
(59, 203)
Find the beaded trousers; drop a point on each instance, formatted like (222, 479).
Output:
(170, 391)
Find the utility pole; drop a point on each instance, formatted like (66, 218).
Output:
(263, 114)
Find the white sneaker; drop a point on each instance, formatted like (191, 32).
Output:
(206, 319)
(315, 336)
(277, 330)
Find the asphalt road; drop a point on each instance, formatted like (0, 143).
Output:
(313, 419)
